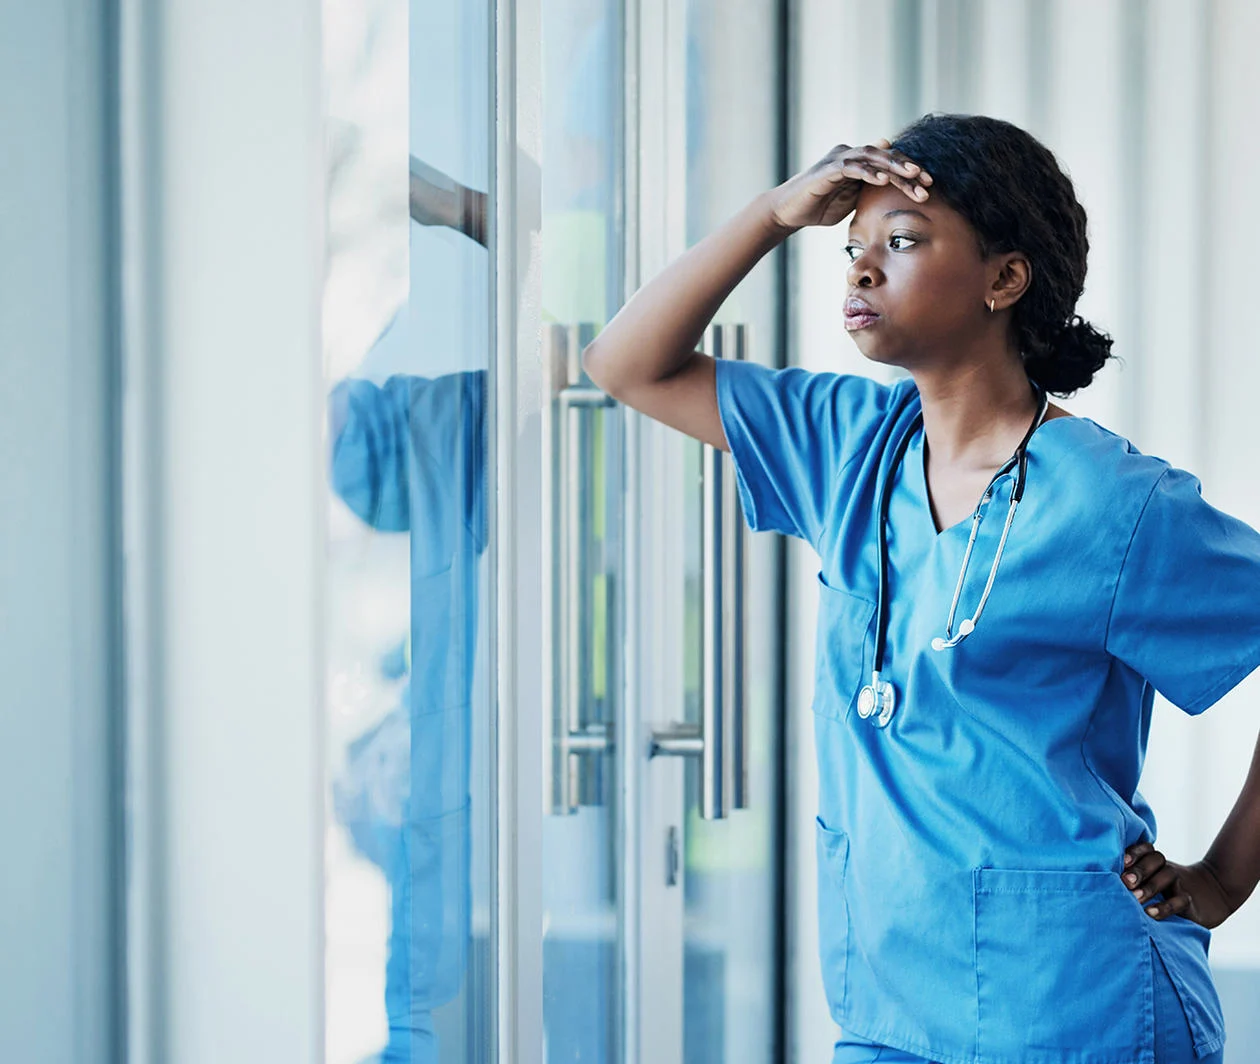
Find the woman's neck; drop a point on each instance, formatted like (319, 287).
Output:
(975, 416)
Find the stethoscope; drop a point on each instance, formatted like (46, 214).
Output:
(879, 694)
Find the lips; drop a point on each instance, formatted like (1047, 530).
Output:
(858, 313)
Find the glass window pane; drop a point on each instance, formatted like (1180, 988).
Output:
(732, 940)
(582, 250)
(407, 325)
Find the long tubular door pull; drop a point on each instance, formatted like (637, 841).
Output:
(720, 741)
(577, 735)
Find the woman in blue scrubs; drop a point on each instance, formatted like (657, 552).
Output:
(978, 806)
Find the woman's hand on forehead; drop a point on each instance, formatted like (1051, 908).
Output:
(886, 164)
(828, 190)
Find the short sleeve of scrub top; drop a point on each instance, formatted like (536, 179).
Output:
(1186, 613)
(791, 432)
(408, 455)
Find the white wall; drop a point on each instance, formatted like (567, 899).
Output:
(1151, 108)
(224, 482)
(1222, 333)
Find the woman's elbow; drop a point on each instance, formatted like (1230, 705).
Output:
(597, 369)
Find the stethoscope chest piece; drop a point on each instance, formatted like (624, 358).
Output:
(877, 699)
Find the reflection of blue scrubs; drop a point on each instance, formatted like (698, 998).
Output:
(409, 456)
(970, 901)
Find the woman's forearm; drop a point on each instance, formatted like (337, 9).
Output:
(1234, 857)
(662, 323)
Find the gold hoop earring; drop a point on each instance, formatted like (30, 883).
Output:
(991, 302)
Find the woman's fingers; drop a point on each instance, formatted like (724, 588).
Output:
(916, 192)
(1132, 853)
(896, 164)
(909, 166)
(864, 171)
(1148, 873)
(1158, 881)
(1193, 891)
(1178, 903)
(883, 154)
(1143, 866)
(909, 185)
(875, 172)
(877, 164)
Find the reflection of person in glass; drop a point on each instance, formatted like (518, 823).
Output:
(408, 456)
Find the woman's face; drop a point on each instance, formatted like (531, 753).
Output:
(918, 267)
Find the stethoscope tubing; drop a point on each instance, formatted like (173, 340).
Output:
(885, 495)
(1019, 461)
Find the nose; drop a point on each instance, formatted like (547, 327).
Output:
(863, 272)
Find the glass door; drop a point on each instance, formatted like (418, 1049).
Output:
(659, 858)
(409, 593)
(710, 124)
(731, 931)
(553, 731)
(582, 279)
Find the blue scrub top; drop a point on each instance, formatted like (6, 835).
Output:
(970, 903)
(410, 456)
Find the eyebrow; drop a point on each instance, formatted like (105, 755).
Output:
(894, 213)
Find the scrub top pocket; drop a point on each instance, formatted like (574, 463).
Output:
(845, 649)
(1063, 969)
(833, 910)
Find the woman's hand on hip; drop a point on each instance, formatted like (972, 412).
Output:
(828, 190)
(1192, 891)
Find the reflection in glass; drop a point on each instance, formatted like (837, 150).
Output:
(407, 897)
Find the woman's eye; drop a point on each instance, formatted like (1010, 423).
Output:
(854, 250)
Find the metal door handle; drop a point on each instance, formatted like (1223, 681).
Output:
(577, 731)
(721, 739)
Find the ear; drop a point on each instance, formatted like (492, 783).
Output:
(1011, 275)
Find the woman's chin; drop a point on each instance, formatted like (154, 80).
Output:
(872, 351)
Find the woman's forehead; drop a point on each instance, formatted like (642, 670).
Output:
(888, 205)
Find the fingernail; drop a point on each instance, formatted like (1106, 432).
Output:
(1131, 877)
(1152, 910)
(1128, 859)
(1139, 894)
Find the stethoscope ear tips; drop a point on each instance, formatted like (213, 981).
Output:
(965, 628)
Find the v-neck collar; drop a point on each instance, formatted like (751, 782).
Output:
(918, 443)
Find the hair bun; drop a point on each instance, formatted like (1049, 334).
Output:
(1077, 352)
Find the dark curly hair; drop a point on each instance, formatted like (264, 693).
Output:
(1009, 186)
